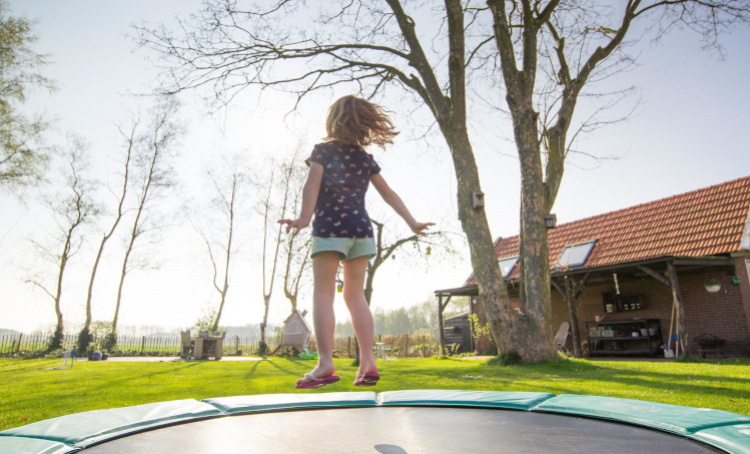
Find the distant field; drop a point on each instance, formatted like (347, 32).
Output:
(29, 393)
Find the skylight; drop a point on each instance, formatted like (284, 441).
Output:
(575, 255)
(507, 264)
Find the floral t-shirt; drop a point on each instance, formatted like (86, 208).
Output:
(340, 209)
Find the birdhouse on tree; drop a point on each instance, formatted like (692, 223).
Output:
(297, 332)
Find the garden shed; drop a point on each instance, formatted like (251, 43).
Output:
(297, 332)
(630, 270)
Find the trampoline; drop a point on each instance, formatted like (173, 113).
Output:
(398, 422)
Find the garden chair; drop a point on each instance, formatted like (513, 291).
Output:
(561, 339)
(187, 344)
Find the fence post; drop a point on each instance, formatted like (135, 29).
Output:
(18, 348)
(349, 347)
(143, 343)
(407, 345)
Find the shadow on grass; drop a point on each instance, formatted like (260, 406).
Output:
(558, 377)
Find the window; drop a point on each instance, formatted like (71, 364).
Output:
(507, 264)
(575, 255)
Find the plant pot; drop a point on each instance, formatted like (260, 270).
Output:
(644, 332)
(652, 331)
(712, 288)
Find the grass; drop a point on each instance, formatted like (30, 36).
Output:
(29, 393)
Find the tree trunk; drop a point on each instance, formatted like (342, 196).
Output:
(571, 300)
(535, 258)
(123, 272)
(87, 325)
(510, 331)
(263, 341)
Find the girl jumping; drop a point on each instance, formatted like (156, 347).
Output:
(340, 173)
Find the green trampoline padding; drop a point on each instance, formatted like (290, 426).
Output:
(246, 404)
(669, 418)
(82, 429)
(66, 434)
(486, 399)
(21, 445)
(734, 439)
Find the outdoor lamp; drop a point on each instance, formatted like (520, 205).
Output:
(340, 287)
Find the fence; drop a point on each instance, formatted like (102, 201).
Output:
(169, 345)
(405, 346)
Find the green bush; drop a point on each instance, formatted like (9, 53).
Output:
(56, 340)
(84, 340)
(110, 342)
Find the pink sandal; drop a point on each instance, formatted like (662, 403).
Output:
(368, 379)
(317, 382)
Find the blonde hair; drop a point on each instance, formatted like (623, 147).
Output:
(355, 121)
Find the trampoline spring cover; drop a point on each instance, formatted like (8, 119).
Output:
(66, 434)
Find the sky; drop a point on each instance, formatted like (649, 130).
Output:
(688, 132)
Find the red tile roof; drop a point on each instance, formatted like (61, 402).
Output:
(708, 221)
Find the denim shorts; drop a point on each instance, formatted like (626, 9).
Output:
(349, 248)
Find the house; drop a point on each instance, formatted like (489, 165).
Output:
(641, 263)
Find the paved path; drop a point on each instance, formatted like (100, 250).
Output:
(168, 359)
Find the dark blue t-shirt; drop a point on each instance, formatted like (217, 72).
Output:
(340, 210)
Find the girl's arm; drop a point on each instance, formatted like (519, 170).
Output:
(392, 199)
(309, 197)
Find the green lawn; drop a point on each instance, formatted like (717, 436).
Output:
(29, 393)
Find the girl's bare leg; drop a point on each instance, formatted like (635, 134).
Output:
(325, 265)
(354, 295)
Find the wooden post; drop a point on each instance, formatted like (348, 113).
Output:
(349, 347)
(407, 345)
(18, 348)
(682, 333)
(143, 343)
(441, 323)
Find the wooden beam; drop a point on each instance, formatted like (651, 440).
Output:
(680, 309)
(559, 289)
(581, 286)
(441, 322)
(704, 262)
(573, 318)
(446, 303)
(656, 275)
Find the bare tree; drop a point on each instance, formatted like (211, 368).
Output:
(152, 178)
(72, 209)
(572, 43)
(374, 45)
(369, 45)
(386, 249)
(229, 182)
(84, 337)
(271, 213)
(296, 247)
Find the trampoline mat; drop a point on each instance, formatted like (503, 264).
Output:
(401, 430)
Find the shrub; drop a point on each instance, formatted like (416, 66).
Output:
(110, 342)
(84, 340)
(56, 340)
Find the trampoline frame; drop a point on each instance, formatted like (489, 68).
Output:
(726, 431)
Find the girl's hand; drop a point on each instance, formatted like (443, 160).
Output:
(296, 224)
(420, 227)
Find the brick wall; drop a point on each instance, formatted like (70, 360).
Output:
(720, 314)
